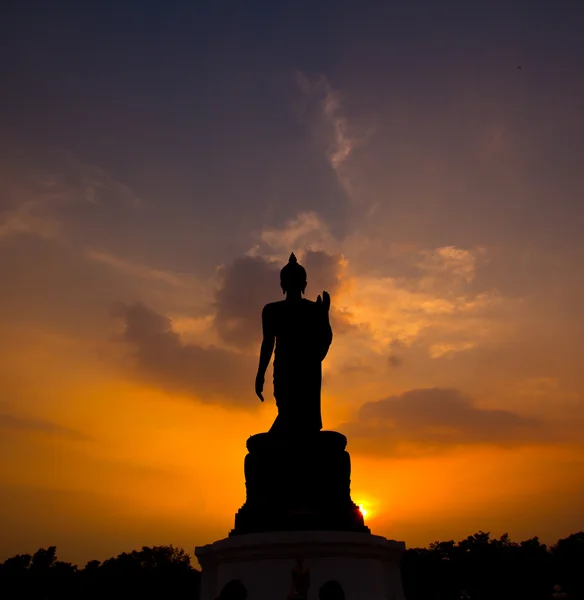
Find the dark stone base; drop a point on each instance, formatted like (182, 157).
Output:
(298, 485)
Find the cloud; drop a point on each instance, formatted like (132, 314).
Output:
(98, 185)
(395, 358)
(310, 238)
(337, 131)
(451, 261)
(436, 310)
(440, 350)
(325, 271)
(357, 367)
(295, 230)
(342, 144)
(329, 272)
(386, 310)
(135, 269)
(448, 268)
(395, 361)
(38, 185)
(305, 230)
(15, 422)
(250, 282)
(343, 138)
(426, 421)
(209, 374)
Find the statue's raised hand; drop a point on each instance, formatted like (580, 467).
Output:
(325, 301)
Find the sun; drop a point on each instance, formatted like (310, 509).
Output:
(363, 510)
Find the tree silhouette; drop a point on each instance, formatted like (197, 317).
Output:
(489, 568)
(17, 565)
(160, 571)
(43, 560)
(568, 556)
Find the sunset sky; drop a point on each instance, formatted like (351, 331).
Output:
(160, 160)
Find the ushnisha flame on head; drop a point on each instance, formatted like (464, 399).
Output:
(293, 275)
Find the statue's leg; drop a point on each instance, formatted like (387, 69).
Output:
(281, 424)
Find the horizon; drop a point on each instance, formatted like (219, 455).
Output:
(159, 164)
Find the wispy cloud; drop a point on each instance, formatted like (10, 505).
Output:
(28, 218)
(306, 231)
(451, 261)
(14, 422)
(333, 128)
(98, 185)
(390, 309)
(135, 269)
(342, 144)
(440, 350)
(35, 193)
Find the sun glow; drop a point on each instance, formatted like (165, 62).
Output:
(363, 510)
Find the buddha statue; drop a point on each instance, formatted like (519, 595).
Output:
(300, 331)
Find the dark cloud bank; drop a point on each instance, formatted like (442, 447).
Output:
(210, 374)
(426, 421)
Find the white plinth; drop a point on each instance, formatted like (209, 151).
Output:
(366, 566)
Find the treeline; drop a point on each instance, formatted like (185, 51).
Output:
(158, 572)
(476, 568)
(484, 568)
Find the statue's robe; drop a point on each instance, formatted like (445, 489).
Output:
(303, 335)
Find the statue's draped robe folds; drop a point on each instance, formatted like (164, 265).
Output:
(303, 335)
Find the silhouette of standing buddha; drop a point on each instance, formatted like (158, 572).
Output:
(297, 477)
(301, 332)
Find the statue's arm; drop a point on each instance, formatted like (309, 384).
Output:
(326, 334)
(269, 338)
(327, 337)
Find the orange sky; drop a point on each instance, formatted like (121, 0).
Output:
(433, 188)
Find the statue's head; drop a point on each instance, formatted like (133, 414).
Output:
(293, 276)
